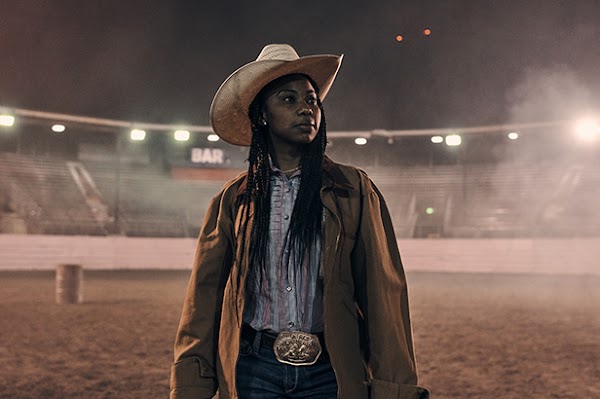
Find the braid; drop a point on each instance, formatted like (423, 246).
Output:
(305, 226)
(257, 189)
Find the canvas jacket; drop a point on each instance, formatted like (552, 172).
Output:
(367, 325)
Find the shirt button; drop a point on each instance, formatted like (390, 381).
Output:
(286, 217)
(291, 324)
(288, 289)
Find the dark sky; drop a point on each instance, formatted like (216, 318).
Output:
(486, 62)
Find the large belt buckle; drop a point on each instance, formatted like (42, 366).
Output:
(297, 348)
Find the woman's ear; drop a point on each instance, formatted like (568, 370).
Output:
(263, 119)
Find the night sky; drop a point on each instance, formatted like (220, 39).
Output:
(486, 62)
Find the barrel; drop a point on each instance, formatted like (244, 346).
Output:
(69, 284)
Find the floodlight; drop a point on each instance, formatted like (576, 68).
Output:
(212, 137)
(360, 141)
(437, 139)
(513, 135)
(138, 134)
(181, 135)
(58, 128)
(587, 129)
(453, 140)
(7, 120)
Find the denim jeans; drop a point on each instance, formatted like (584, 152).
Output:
(261, 376)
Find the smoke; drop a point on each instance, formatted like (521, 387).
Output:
(548, 94)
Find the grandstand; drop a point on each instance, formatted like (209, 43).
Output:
(75, 194)
(42, 194)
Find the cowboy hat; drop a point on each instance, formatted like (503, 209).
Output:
(229, 109)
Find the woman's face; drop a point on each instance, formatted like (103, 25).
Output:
(291, 112)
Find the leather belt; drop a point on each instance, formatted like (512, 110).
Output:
(274, 342)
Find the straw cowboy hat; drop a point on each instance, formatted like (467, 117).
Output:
(229, 109)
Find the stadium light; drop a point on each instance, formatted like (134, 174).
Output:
(360, 141)
(212, 137)
(7, 120)
(587, 129)
(58, 128)
(513, 135)
(137, 134)
(181, 135)
(453, 140)
(437, 139)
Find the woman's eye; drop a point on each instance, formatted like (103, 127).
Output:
(312, 101)
(288, 99)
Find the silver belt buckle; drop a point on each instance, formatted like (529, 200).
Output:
(297, 348)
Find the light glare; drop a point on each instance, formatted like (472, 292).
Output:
(212, 137)
(437, 139)
(587, 129)
(138, 134)
(453, 140)
(7, 120)
(58, 128)
(360, 141)
(182, 135)
(513, 135)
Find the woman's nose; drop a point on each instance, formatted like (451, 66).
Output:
(305, 110)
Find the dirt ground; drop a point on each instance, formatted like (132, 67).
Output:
(477, 336)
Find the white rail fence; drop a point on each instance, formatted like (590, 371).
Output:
(547, 256)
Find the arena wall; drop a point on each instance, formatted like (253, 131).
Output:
(555, 256)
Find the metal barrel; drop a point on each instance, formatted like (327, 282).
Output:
(69, 284)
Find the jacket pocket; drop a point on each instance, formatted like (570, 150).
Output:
(192, 372)
(383, 389)
(351, 306)
(390, 390)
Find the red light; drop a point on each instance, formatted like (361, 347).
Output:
(427, 32)
(399, 38)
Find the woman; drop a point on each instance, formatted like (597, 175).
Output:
(298, 288)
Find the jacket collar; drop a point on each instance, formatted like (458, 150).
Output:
(333, 178)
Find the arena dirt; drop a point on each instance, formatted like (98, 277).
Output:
(476, 336)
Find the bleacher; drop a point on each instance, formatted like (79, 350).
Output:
(45, 196)
(546, 199)
(151, 203)
(492, 201)
(574, 207)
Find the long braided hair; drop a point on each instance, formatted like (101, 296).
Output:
(305, 225)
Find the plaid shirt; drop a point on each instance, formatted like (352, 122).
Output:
(293, 298)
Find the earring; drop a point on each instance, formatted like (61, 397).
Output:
(263, 122)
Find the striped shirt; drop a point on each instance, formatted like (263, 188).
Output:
(293, 298)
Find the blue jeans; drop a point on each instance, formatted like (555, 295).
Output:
(261, 376)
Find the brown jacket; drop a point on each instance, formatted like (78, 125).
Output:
(367, 325)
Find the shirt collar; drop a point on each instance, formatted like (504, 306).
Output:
(333, 178)
(277, 170)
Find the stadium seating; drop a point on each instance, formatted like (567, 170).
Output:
(513, 199)
(504, 200)
(151, 203)
(43, 193)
